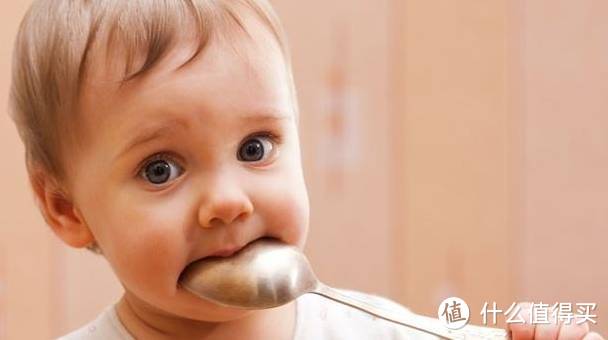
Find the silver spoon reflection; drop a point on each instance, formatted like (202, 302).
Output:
(268, 273)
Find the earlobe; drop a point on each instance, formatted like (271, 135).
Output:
(59, 211)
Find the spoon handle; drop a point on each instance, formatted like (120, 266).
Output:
(418, 322)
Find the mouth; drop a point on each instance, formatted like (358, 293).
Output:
(230, 251)
(227, 251)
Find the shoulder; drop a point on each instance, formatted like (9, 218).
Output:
(322, 318)
(106, 326)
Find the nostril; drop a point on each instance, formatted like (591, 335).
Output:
(224, 214)
(241, 217)
(218, 221)
(215, 222)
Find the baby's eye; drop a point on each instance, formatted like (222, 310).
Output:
(256, 148)
(161, 169)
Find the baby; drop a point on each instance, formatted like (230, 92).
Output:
(161, 132)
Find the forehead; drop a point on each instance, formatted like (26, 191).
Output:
(246, 73)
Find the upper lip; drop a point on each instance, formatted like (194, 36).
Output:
(228, 251)
(225, 251)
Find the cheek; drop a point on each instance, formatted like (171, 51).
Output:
(144, 243)
(151, 255)
(284, 208)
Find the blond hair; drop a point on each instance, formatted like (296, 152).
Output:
(53, 48)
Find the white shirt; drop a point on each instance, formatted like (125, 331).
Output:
(317, 318)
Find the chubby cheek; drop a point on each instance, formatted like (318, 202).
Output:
(285, 210)
(150, 259)
(145, 247)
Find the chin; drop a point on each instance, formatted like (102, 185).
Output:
(197, 308)
(206, 311)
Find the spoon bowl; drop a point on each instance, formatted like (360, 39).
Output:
(266, 273)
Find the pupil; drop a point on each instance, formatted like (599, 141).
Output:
(158, 172)
(252, 151)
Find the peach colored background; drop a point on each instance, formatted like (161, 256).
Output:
(482, 149)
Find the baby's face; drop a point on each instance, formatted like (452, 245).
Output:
(180, 164)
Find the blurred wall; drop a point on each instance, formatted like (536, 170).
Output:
(505, 196)
(564, 110)
(456, 144)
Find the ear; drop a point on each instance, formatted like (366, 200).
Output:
(59, 211)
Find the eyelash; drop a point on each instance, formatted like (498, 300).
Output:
(275, 138)
(165, 155)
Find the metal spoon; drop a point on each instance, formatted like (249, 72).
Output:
(268, 273)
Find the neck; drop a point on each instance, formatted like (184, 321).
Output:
(143, 323)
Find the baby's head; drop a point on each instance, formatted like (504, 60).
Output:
(160, 132)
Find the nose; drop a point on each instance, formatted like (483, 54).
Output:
(224, 203)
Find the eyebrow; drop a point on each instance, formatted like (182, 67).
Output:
(266, 117)
(168, 127)
(151, 132)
